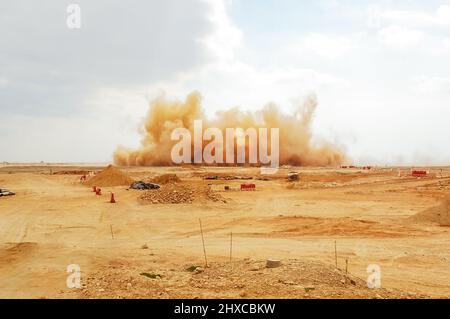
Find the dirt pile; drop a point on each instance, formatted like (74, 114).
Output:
(110, 176)
(211, 195)
(72, 172)
(239, 279)
(166, 179)
(179, 194)
(169, 194)
(439, 214)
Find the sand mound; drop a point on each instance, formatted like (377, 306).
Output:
(110, 176)
(239, 279)
(180, 193)
(169, 194)
(166, 179)
(439, 214)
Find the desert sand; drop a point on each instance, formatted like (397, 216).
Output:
(150, 246)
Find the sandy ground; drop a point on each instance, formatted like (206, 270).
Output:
(54, 221)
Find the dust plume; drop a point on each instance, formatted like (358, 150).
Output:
(295, 137)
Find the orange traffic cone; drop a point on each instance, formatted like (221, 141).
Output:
(112, 200)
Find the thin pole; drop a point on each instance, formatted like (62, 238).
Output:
(203, 242)
(346, 265)
(112, 233)
(335, 254)
(231, 245)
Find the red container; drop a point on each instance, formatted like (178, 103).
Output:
(417, 173)
(248, 187)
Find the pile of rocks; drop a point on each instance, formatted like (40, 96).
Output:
(169, 194)
(238, 279)
(213, 196)
(181, 193)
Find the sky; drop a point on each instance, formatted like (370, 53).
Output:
(380, 71)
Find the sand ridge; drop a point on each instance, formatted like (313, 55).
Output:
(439, 214)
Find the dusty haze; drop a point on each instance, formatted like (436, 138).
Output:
(296, 146)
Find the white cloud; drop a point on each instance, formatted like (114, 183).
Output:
(225, 37)
(442, 47)
(441, 17)
(3, 81)
(431, 85)
(53, 68)
(328, 46)
(399, 37)
(446, 44)
(56, 75)
(374, 16)
(406, 28)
